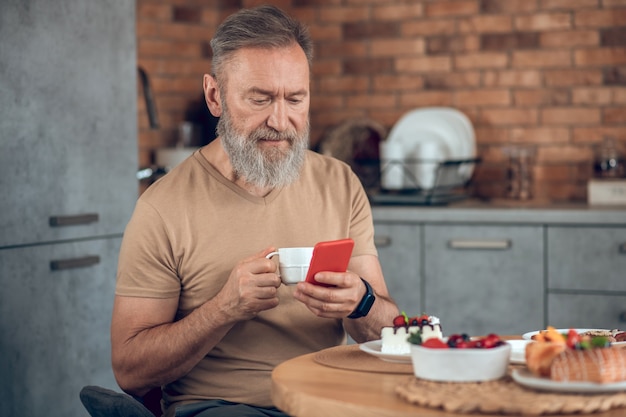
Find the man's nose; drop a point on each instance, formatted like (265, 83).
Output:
(278, 119)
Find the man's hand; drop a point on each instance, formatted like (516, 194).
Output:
(251, 287)
(337, 301)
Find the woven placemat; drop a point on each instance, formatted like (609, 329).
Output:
(503, 396)
(354, 359)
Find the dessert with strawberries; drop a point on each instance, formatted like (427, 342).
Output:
(395, 338)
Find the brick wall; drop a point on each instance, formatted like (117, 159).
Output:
(546, 73)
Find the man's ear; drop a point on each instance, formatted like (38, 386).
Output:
(212, 95)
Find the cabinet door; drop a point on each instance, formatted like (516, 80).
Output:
(55, 326)
(68, 119)
(587, 258)
(588, 311)
(484, 279)
(399, 252)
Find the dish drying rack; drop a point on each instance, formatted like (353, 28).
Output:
(451, 181)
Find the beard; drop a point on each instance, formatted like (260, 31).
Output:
(264, 168)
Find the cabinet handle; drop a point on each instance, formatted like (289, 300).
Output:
(382, 241)
(78, 219)
(622, 248)
(60, 264)
(479, 244)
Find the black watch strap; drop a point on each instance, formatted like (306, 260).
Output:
(365, 304)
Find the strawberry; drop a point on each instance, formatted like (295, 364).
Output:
(435, 343)
(573, 338)
(399, 321)
(490, 341)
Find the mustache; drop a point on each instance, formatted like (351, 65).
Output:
(263, 133)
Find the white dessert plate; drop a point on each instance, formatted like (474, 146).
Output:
(518, 351)
(525, 378)
(373, 347)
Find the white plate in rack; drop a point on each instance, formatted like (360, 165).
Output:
(373, 347)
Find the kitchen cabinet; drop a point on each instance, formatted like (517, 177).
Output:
(489, 267)
(68, 162)
(55, 316)
(483, 279)
(399, 250)
(587, 277)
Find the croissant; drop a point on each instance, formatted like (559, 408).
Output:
(539, 356)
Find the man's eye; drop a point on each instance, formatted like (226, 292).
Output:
(260, 101)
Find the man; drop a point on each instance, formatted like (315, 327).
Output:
(199, 310)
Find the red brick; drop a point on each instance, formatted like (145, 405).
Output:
(343, 14)
(503, 117)
(398, 12)
(482, 98)
(568, 39)
(370, 30)
(570, 116)
(614, 76)
(414, 100)
(353, 84)
(452, 8)
(600, 18)
(568, 4)
(508, 6)
(383, 82)
(600, 56)
(322, 68)
(345, 49)
(486, 24)
(563, 78)
(597, 133)
(614, 115)
(185, 14)
(592, 95)
(613, 36)
(326, 101)
(506, 41)
(152, 11)
(564, 153)
(491, 135)
(540, 135)
(522, 78)
(451, 44)
(175, 49)
(368, 66)
(397, 48)
(456, 80)
(619, 96)
(328, 32)
(613, 3)
(183, 32)
(541, 59)
(371, 101)
(428, 27)
(481, 60)
(541, 97)
(146, 29)
(543, 21)
(424, 64)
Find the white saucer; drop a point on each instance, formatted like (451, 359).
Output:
(373, 348)
(525, 378)
(529, 335)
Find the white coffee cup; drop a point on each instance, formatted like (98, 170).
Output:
(293, 263)
(391, 165)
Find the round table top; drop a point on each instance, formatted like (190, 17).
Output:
(304, 387)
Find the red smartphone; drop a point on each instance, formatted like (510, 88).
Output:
(333, 256)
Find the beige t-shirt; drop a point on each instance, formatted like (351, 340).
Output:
(190, 228)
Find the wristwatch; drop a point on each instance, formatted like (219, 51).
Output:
(365, 304)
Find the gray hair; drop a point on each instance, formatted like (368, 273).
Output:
(260, 27)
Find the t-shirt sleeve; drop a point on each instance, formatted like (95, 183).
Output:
(147, 266)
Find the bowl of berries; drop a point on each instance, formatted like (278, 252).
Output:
(460, 358)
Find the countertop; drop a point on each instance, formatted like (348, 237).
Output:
(509, 212)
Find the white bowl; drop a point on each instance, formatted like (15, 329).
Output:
(460, 365)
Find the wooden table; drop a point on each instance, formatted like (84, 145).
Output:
(301, 387)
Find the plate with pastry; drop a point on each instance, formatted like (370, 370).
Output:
(573, 362)
(614, 336)
(526, 378)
